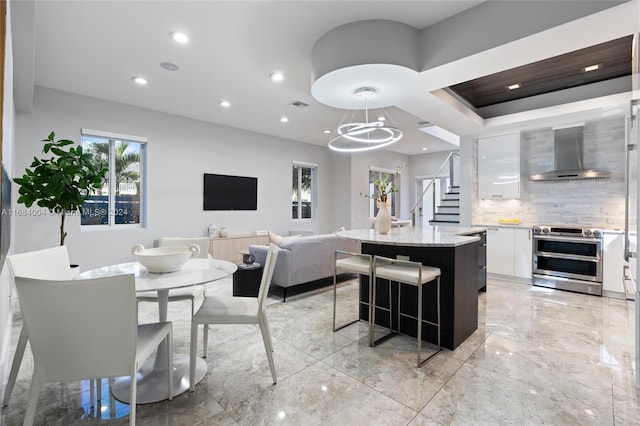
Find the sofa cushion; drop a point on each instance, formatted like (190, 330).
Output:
(275, 238)
(279, 239)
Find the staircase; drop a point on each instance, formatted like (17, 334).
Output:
(448, 210)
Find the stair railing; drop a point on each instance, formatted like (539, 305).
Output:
(448, 161)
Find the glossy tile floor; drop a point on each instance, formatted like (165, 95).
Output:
(538, 357)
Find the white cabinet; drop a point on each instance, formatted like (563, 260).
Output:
(499, 166)
(500, 251)
(232, 247)
(523, 253)
(509, 252)
(613, 262)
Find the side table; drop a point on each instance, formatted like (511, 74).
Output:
(246, 280)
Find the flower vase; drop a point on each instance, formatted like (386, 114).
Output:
(382, 223)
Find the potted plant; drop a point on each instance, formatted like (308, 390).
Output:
(384, 189)
(62, 182)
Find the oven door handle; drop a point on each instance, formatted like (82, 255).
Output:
(595, 259)
(568, 239)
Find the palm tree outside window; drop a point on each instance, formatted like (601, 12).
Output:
(120, 202)
(303, 190)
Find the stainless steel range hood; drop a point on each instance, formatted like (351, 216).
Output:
(568, 154)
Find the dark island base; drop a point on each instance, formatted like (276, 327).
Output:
(458, 293)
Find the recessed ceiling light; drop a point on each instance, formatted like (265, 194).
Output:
(592, 68)
(424, 148)
(140, 80)
(225, 104)
(169, 66)
(381, 118)
(277, 76)
(326, 131)
(284, 119)
(514, 86)
(179, 37)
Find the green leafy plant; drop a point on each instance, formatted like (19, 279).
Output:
(62, 182)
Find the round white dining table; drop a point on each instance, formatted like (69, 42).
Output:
(152, 376)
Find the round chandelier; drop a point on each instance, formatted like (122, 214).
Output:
(355, 134)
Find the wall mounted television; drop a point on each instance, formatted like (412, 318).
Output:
(224, 192)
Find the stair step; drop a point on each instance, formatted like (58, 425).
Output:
(447, 216)
(449, 203)
(448, 209)
(444, 222)
(449, 196)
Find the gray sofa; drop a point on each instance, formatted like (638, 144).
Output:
(304, 259)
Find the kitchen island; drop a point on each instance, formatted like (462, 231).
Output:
(455, 250)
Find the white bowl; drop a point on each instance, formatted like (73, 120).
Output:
(164, 259)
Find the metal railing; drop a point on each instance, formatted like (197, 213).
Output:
(449, 161)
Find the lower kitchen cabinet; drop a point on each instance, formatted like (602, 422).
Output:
(523, 253)
(613, 263)
(509, 252)
(500, 255)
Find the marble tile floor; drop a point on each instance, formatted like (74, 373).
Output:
(538, 357)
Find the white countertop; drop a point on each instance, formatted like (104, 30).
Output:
(527, 226)
(432, 236)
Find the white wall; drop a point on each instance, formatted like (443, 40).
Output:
(179, 151)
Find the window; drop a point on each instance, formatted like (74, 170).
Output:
(120, 201)
(383, 175)
(303, 193)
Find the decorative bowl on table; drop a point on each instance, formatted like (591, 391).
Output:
(164, 259)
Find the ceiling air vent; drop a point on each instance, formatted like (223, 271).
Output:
(299, 104)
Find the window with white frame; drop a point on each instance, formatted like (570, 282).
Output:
(303, 190)
(384, 176)
(121, 200)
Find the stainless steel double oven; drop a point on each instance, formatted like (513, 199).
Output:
(568, 258)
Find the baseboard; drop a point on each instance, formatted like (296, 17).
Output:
(510, 278)
(615, 295)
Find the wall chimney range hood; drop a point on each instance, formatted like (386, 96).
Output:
(568, 154)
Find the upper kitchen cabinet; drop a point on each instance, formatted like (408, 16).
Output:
(499, 166)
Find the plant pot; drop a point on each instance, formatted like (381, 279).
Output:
(382, 223)
(75, 270)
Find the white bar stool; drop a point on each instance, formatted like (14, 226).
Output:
(356, 263)
(411, 273)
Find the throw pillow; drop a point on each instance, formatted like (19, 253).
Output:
(275, 238)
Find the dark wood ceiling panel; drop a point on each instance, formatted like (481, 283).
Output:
(549, 75)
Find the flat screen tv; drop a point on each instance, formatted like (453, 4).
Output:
(223, 192)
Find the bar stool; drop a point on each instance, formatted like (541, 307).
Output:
(356, 263)
(411, 273)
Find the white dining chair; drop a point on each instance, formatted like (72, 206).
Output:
(237, 310)
(190, 293)
(52, 264)
(87, 329)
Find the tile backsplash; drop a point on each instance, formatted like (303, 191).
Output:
(583, 202)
